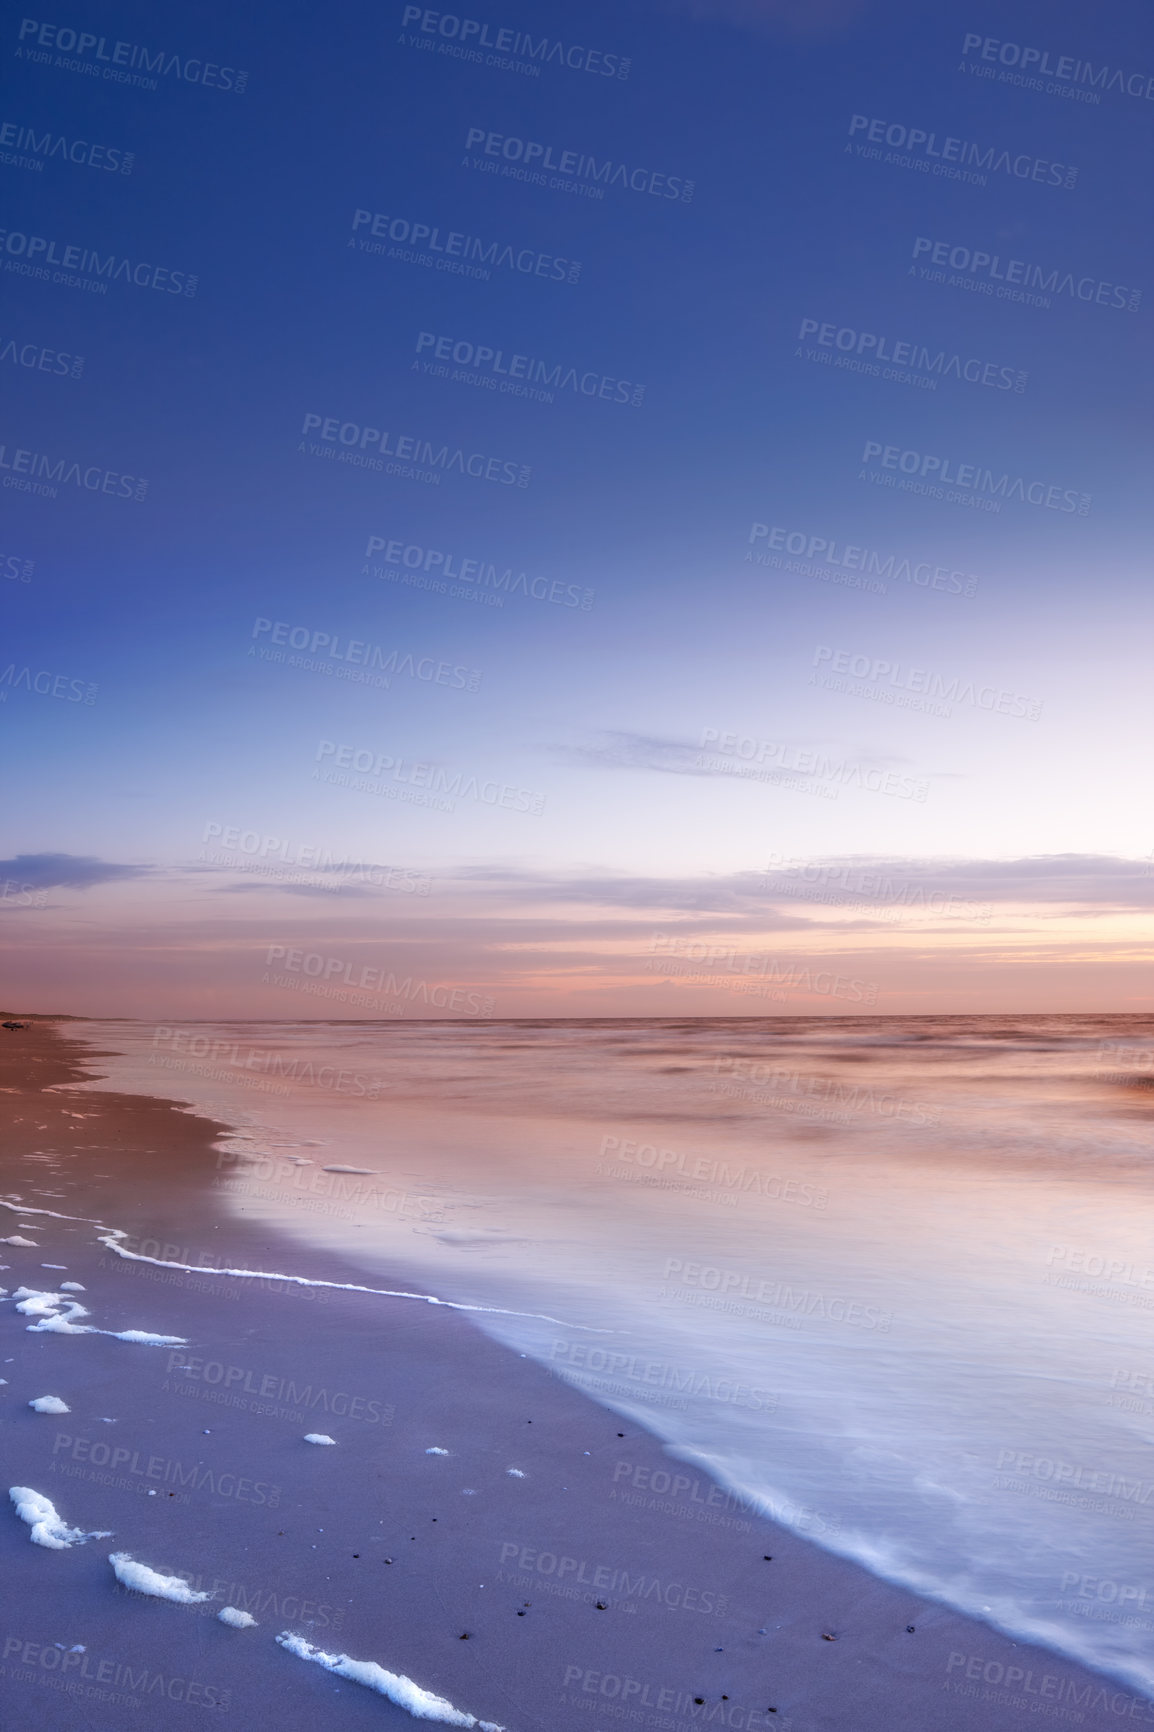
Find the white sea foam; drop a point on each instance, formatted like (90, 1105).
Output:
(237, 1619)
(56, 1314)
(514, 1473)
(149, 1581)
(112, 1236)
(49, 1404)
(420, 1703)
(15, 1239)
(48, 1529)
(436, 1450)
(71, 1287)
(318, 1437)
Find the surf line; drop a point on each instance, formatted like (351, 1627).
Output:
(109, 1237)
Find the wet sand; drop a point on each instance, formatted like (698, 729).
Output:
(649, 1598)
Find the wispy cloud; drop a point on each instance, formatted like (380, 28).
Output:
(1099, 882)
(67, 871)
(618, 749)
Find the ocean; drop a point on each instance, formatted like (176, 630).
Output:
(890, 1280)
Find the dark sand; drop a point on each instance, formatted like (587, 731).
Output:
(373, 1548)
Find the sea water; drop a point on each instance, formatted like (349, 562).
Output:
(890, 1280)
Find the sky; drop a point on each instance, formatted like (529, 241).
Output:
(550, 510)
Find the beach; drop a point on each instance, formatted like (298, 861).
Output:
(548, 1565)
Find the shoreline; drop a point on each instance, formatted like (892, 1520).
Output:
(677, 1641)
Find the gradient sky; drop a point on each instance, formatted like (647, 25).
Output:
(969, 861)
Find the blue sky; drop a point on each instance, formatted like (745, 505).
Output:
(653, 620)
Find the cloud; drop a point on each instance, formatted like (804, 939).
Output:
(1096, 881)
(328, 891)
(67, 871)
(622, 750)
(736, 893)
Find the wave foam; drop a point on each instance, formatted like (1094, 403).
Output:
(112, 1236)
(144, 1580)
(420, 1703)
(48, 1527)
(56, 1314)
